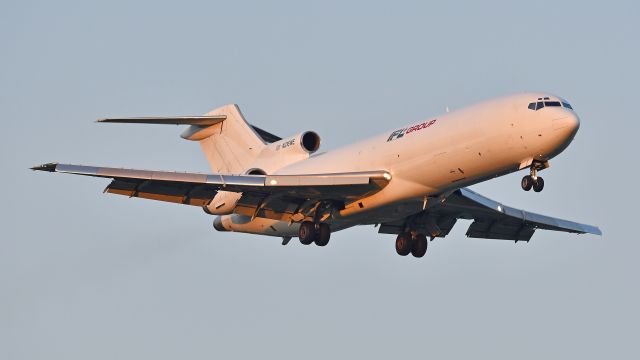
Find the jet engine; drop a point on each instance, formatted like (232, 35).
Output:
(284, 152)
(307, 142)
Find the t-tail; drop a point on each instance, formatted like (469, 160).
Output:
(232, 145)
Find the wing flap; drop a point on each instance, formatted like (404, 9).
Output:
(500, 229)
(175, 192)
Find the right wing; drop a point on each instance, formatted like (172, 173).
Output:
(199, 189)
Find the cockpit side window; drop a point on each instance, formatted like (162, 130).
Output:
(532, 106)
(567, 105)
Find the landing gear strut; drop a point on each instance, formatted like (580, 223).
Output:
(310, 233)
(533, 180)
(416, 244)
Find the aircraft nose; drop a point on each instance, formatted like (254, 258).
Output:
(565, 128)
(573, 123)
(568, 124)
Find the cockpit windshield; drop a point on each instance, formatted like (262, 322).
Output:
(542, 102)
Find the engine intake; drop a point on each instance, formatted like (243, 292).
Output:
(310, 141)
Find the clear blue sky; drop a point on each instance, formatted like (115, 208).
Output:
(86, 275)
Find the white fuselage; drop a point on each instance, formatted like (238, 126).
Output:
(434, 156)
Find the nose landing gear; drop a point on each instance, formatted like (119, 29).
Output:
(533, 181)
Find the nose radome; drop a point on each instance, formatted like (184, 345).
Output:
(564, 130)
(569, 123)
(574, 122)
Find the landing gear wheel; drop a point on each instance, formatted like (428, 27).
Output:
(538, 184)
(527, 183)
(420, 244)
(323, 234)
(404, 244)
(307, 232)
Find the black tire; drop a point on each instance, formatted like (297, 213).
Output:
(323, 235)
(404, 244)
(307, 232)
(420, 244)
(526, 183)
(538, 184)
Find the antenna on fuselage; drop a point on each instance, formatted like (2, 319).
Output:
(446, 108)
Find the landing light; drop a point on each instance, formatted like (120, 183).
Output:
(387, 176)
(500, 208)
(273, 182)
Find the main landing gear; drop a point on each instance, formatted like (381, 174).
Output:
(310, 233)
(415, 244)
(533, 180)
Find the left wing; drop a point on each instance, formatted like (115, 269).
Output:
(491, 219)
(199, 189)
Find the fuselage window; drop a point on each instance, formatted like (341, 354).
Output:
(532, 106)
(567, 105)
(552, 103)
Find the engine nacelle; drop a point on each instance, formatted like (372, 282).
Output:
(223, 203)
(285, 152)
(307, 142)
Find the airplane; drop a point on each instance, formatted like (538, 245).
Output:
(411, 181)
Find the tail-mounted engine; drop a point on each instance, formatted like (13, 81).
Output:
(286, 151)
(307, 142)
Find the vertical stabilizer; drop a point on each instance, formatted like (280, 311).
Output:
(230, 146)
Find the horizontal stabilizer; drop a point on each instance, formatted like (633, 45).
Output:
(206, 120)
